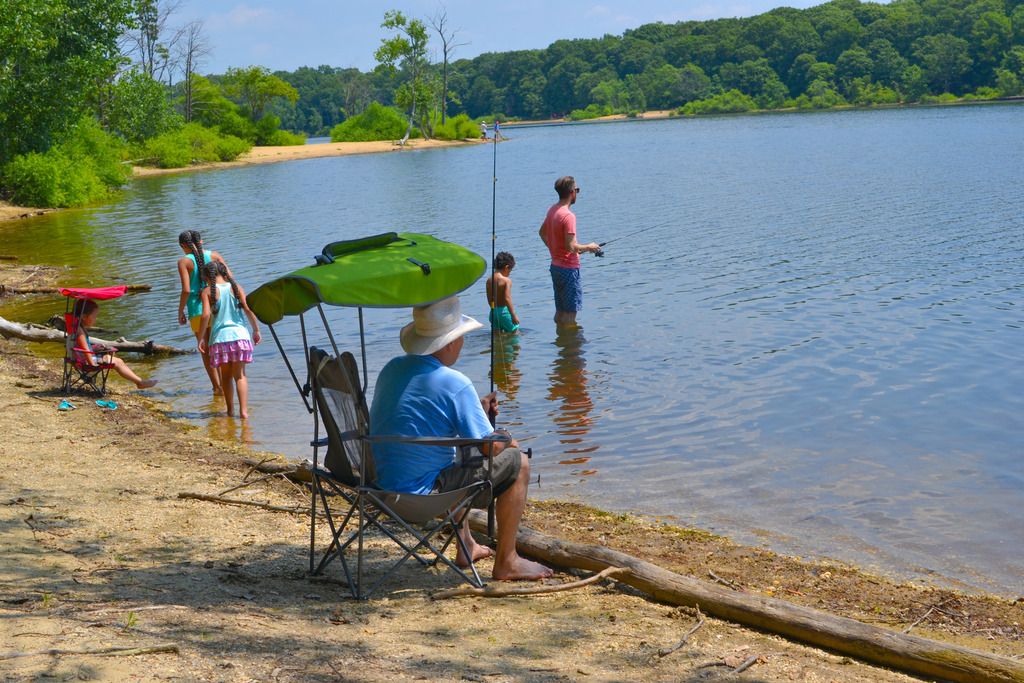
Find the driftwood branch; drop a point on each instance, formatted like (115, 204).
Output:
(43, 334)
(232, 501)
(494, 590)
(666, 651)
(101, 651)
(911, 653)
(15, 289)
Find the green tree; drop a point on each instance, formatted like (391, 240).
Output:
(887, 63)
(255, 87)
(54, 56)
(404, 54)
(139, 108)
(943, 58)
(853, 64)
(991, 35)
(694, 84)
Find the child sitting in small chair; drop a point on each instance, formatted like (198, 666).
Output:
(85, 311)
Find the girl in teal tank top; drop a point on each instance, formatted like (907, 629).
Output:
(190, 306)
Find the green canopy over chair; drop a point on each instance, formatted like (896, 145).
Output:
(382, 271)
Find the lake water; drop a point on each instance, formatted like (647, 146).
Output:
(814, 343)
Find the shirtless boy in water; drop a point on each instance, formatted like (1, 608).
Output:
(499, 294)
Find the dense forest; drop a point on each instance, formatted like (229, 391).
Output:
(843, 52)
(90, 87)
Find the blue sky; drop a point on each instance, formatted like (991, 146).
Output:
(283, 34)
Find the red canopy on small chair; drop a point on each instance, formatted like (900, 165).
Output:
(95, 293)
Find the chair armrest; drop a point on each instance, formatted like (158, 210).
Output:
(438, 440)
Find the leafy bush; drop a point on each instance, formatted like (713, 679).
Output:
(280, 138)
(268, 133)
(139, 108)
(983, 93)
(376, 123)
(83, 168)
(193, 143)
(234, 124)
(457, 127)
(730, 102)
(593, 111)
(944, 98)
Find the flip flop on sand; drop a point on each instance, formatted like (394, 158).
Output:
(66, 405)
(106, 404)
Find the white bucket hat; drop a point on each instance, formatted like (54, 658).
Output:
(435, 326)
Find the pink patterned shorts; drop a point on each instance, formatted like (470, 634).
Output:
(231, 352)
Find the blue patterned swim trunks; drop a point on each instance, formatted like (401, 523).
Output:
(568, 289)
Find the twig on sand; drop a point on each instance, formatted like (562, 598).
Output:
(493, 590)
(931, 608)
(143, 608)
(101, 651)
(747, 664)
(232, 501)
(254, 468)
(246, 483)
(666, 651)
(725, 582)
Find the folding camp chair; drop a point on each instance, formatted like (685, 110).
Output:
(384, 271)
(78, 371)
(340, 408)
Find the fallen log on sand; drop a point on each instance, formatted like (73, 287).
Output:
(910, 653)
(42, 334)
(914, 654)
(13, 289)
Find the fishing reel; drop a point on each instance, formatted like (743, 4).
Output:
(600, 252)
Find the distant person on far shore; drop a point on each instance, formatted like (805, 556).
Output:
(558, 232)
(499, 294)
(483, 130)
(190, 307)
(230, 344)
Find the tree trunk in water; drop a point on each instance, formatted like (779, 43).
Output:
(41, 334)
(911, 653)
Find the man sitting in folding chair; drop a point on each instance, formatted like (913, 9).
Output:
(420, 394)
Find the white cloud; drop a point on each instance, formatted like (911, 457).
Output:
(242, 16)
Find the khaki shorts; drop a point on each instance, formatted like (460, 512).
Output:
(504, 472)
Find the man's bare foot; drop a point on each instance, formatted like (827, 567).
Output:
(244, 414)
(217, 391)
(521, 569)
(146, 383)
(480, 552)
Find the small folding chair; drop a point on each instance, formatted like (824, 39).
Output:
(348, 475)
(78, 371)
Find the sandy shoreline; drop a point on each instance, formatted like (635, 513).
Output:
(270, 155)
(99, 552)
(265, 155)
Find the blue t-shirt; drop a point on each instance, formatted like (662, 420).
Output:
(420, 396)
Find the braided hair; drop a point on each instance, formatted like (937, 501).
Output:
(210, 272)
(194, 241)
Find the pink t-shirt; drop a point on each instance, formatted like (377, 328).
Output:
(560, 221)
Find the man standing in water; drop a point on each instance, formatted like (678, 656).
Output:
(558, 231)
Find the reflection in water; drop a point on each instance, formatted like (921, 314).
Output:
(507, 376)
(230, 429)
(568, 385)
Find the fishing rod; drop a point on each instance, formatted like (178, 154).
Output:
(492, 413)
(600, 252)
